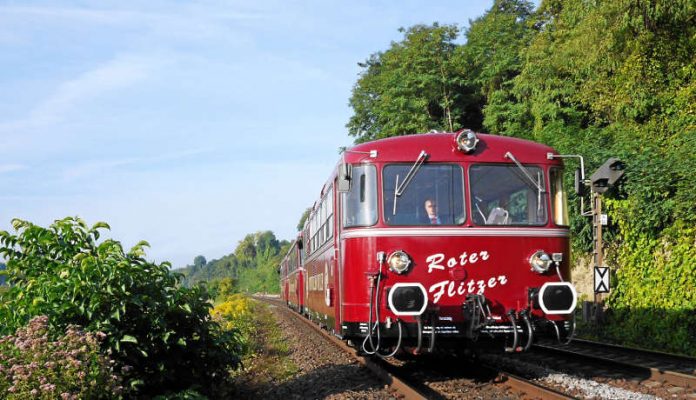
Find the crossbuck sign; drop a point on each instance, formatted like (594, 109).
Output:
(601, 279)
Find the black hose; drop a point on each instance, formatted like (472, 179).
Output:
(433, 323)
(420, 334)
(511, 316)
(530, 337)
(368, 338)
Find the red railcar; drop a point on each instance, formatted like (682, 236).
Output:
(292, 277)
(441, 238)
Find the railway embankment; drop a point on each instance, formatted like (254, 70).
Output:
(289, 361)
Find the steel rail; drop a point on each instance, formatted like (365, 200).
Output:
(654, 373)
(532, 389)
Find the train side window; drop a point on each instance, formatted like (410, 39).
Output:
(360, 203)
(559, 198)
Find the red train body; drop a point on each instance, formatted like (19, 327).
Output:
(438, 238)
(292, 277)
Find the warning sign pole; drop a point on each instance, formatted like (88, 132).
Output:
(599, 296)
(597, 236)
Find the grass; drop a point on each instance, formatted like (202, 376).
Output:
(267, 362)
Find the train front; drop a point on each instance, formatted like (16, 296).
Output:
(449, 239)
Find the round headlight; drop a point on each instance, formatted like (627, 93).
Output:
(467, 140)
(540, 262)
(399, 261)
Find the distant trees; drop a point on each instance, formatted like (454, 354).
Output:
(251, 267)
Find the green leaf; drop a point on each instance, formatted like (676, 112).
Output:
(129, 339)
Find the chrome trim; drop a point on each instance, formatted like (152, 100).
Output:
(511, 232)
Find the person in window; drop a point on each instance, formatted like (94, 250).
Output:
(431, 212)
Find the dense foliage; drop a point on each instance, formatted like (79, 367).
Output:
(163, 333)
(70, 367)
(251, 268)
(601, 78)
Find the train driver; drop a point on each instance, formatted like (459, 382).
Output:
(431, 211)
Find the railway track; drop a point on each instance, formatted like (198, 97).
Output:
(648, 368)
(433, 378)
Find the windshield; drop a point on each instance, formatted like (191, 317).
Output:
(502, 195)
(433, 197)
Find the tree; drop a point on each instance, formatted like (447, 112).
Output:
(492, 52)
(199, 262)
(415, 86)
(303, 218)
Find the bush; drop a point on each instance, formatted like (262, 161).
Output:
(71, 367)
(235, 314)
(162, 330)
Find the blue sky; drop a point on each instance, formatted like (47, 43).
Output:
(184, 123)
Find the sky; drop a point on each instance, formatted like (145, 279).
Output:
(188, 124)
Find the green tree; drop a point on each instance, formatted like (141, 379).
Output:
(303, 218)
(199, 262)
(415, 86)
(492, 52)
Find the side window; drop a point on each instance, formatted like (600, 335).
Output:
(559, 198)
(360, 203)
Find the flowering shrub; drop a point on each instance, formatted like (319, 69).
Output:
(160, 329)
(236, 314)
(71, 367)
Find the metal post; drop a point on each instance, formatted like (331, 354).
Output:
(598, 252)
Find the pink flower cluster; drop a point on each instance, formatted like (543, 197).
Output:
(71, 367)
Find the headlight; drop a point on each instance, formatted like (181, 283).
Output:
(467, 140)
(540, 262)
(399, 261)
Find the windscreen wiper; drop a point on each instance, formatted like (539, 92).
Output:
(400, 188)
(526, 173)
(535, 183)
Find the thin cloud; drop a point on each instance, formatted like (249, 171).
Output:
(118, 73)
(91, 168)
(193, 21)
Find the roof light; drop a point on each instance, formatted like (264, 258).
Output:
(467, 141)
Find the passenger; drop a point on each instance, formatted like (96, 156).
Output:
(431, 212)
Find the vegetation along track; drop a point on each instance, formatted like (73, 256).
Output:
(436, 376)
